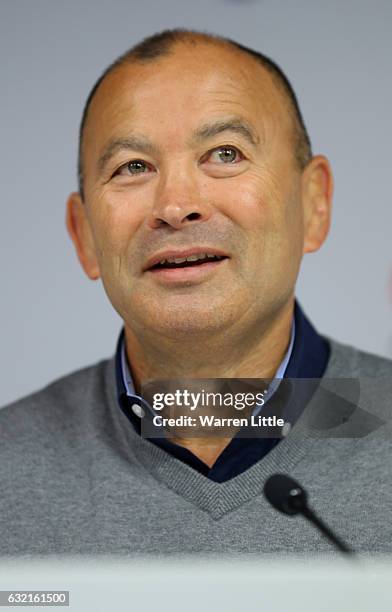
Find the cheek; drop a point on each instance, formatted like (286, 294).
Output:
(267, 206)
(252, 201)
(116, 221)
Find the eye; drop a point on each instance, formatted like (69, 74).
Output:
(136, 166)
(225, 154)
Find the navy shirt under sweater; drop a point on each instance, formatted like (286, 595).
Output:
(306, 358)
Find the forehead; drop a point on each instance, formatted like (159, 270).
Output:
(176, 93)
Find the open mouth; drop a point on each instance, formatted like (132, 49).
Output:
(187, 262)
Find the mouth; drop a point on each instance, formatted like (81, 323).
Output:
(186, 268)
(187, 262)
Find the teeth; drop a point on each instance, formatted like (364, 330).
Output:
(195, 257)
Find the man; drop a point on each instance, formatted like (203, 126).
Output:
(198, 196)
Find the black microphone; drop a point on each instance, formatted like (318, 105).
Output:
(287, 496)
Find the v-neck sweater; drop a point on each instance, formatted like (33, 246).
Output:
(76, 479)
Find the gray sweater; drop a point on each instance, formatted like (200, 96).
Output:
(76, 479)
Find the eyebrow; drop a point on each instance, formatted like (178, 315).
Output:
(204, 132)
(130, 143)
(234, 124)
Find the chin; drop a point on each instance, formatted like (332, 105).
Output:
(180, 326)
(184, 315)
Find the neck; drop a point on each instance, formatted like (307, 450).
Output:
(252, 353)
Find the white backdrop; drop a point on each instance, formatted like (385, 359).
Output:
(337, 55)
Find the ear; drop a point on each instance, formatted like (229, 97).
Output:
(317, 191)
(79, 228)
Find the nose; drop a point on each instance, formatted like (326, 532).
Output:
(178, 201)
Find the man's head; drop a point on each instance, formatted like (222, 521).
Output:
(161, 44)
(194, 142)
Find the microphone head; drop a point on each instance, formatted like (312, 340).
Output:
(285, 494)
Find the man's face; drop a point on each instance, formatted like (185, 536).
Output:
(185, 183)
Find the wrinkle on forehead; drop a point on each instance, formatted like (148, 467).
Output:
(231, 70)
(225, 79)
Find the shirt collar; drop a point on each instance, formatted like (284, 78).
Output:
(306, 357)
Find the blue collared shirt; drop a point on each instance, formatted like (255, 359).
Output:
(306, 357)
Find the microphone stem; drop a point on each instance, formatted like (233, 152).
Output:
(309, 514)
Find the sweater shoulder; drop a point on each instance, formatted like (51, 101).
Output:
(347, 360)
(56, 401)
